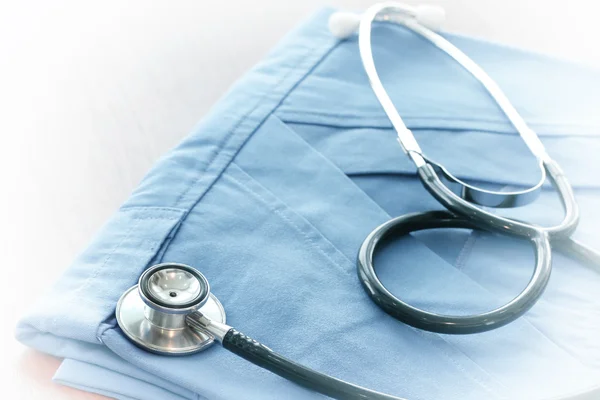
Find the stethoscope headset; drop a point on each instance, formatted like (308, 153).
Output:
(171, 310)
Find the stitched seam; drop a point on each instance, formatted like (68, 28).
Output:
(160, 218)
(130, 208)
(567, 352)
(230, 135)
(465, 252)
(377, 125)
(285, 206)
(409, 173)
(157, 255)
(108, 257)
(280, 212)
(373, 125)
(293, 113)
(85, 284)
(461, 368)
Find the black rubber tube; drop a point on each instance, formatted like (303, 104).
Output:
(264, 357)
(449, 324)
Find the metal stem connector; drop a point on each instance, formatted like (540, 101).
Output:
(198, 322)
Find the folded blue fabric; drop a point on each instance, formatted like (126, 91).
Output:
(273, 193)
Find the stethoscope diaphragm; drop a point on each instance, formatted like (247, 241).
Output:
(152, 313)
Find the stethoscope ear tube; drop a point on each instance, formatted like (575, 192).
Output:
(396, 13)
(449, 324)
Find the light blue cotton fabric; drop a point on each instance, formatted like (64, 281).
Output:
(271, 196)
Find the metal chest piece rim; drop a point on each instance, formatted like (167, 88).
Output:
(152, 313)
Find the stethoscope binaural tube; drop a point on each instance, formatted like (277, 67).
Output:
(453, 193)
(167, 313)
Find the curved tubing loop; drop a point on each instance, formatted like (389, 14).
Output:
(440, 323)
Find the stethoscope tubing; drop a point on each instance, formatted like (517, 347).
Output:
(440, 323)
(463, 200)
(264, 357)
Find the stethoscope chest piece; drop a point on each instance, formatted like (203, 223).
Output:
(152, 313)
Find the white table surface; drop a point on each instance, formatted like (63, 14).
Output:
(91, 93)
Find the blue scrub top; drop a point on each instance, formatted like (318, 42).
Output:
(273, 193)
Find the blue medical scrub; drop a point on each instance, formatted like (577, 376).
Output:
(272, 195)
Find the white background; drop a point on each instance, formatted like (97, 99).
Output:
(91, 93)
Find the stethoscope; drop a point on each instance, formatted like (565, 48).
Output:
(171, 310)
